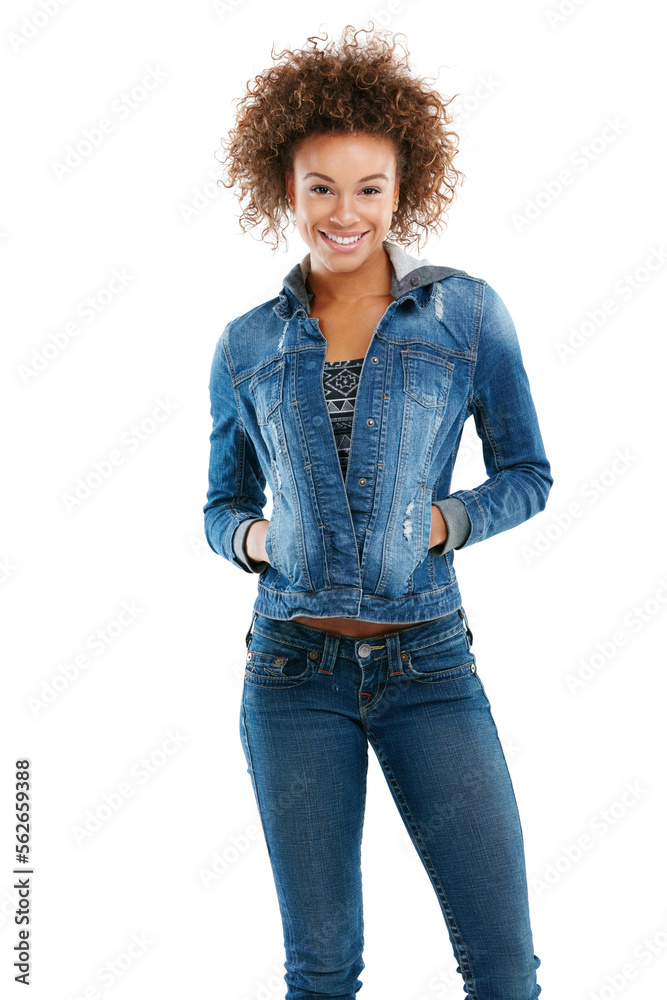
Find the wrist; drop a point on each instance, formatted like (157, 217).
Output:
(438, 527)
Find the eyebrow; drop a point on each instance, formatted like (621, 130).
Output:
(324, 177)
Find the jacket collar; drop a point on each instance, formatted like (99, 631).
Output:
(408, 274)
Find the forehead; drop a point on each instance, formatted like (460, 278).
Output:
(345, 153)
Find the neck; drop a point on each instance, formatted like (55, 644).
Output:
(371, 278)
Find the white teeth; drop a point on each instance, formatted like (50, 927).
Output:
(344, 239)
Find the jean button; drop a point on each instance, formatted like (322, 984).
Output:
(364, 650)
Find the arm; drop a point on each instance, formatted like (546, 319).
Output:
(506, 421)
(236, 483)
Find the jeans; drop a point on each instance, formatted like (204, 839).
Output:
(312, 702)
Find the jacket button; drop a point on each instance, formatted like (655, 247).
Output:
(362, 482)
(364, 649)
(370, 422)
(375, 360)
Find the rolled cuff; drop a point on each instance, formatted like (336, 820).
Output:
(238, 545)
(458, 524)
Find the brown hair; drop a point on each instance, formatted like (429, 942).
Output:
(346, 87)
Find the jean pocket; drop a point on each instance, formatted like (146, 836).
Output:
(273, 663)
(446, 659)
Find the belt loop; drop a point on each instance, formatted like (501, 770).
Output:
(394, 664)
(249, 632)
(464, 616)
(329, 653)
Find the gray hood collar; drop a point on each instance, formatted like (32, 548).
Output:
(408, 273)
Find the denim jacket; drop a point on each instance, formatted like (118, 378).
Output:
(446, 347)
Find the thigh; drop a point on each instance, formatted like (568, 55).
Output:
(444, 763)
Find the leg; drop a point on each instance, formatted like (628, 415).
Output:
(439, 749)
(308, 764)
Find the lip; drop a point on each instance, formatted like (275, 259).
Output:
(339, 247)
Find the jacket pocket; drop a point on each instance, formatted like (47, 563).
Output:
(266, 390)
(427, 378)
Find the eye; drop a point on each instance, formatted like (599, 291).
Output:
(323, 187)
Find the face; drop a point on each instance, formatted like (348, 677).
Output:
(345, 186)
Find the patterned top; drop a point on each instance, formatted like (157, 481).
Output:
(341, 379)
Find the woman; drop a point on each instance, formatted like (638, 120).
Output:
(347, 394)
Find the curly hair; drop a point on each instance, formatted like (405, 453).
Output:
(349, 87)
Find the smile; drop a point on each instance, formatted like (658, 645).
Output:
(343, 241)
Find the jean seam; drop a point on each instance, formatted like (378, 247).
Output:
(463, 957)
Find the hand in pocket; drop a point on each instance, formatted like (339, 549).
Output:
(255, 541)
(438, 527)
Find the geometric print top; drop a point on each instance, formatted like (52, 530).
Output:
(341, 379)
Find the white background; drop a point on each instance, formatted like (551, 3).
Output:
(536, 91)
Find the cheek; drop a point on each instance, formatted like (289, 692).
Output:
(382, 211)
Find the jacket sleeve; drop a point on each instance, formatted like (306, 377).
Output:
(458, 524)
(236, 483)
(506, 421)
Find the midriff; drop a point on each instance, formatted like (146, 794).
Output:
(350, 627)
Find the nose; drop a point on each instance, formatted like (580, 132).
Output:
(345, 213)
